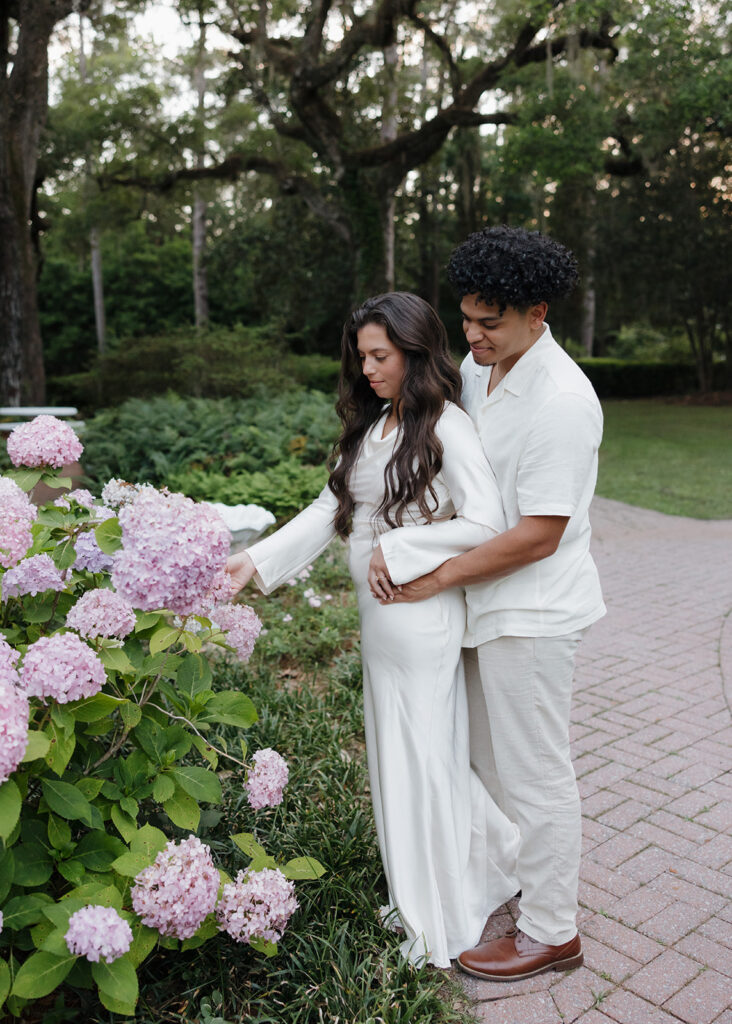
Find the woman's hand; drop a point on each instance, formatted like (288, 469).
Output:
(240, 568)
(378, 577)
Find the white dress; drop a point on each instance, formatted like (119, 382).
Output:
(441, 837)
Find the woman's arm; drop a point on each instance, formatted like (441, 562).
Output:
(288, 551)
(412, 551)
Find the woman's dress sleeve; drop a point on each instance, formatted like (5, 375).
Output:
(298, 543)
(412, 551)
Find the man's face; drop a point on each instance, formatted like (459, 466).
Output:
(496, 337)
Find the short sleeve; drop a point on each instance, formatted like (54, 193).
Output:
(559, 457)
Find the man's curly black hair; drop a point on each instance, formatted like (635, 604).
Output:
(512, 267)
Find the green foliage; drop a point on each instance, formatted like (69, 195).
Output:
(80, 816)
(219, 362)
(668, 456)
(623, 378)
(266, 450)
(337, 961)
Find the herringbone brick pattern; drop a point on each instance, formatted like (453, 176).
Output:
(652, 735)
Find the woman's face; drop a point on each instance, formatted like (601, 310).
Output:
(383, 364)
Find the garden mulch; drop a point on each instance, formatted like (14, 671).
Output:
(652, 742)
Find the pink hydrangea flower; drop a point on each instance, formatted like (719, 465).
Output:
(14, 715)
(266, 779)
(32, 575)
(89, 555)
(80, 495)
(98, 933)
(62, 667)
(257, 904)
(16, 515)
(102, 613)
(8, 656)
(172, 551)
(178, 890)
(242, 626)
(116, 492)
(45, 441)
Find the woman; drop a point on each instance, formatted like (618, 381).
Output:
(409, 455)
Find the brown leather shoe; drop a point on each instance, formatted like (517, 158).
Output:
(517, 956)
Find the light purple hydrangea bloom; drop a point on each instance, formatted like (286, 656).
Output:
(45, 441)
(116, 492)
(266, 779)
(16, 515)
(257, 904)
(80, 495)
(179, 889)
(89, 555)
(98, 933)
(62, 667)
(172, 551)
(242, 626)
(8, 656)
(102, 613)
(14, 715)
(32, 575)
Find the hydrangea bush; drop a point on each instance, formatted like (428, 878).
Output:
(110, 611)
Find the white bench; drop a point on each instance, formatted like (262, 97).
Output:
(29, 412)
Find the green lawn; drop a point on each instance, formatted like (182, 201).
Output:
(672, 458)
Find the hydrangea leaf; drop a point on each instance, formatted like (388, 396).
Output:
(10, 804)
(67, 801)
(263, 946)
(131, 714)
(206, 751)
(25, 910)
(109, 535)
(231, 708)
(4, 981)
(302, 868)
(97, 850)
(248, 844)
(40, 974)
(163, 788)
(115, 659)
(26, 479)
(7, 871)
(61, 746)
(38, 744)
(200, 783)
(144, 940)
(124, 824)
(163, 638)
(183, 810)
(91, 709)
(117, 983)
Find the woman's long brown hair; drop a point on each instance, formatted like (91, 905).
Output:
(430, 379)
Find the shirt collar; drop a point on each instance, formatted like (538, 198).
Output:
(519, 375)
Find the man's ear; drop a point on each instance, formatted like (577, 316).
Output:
(537, 314)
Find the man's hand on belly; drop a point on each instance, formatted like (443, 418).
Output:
(418, 590)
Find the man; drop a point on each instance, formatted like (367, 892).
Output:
(531, 591)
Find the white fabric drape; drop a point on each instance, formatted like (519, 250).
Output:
(448, 852)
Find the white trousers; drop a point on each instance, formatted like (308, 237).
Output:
(519, 692)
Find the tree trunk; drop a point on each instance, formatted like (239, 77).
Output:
(589, 295)
(23, 108)
(200, 278)
(388, 134)
(100, 320)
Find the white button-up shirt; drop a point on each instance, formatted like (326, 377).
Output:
(540, 429)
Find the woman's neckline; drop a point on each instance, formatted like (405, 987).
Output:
(378, 432)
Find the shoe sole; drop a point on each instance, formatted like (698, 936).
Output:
(559, 965)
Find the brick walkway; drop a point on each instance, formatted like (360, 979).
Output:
(652, 735)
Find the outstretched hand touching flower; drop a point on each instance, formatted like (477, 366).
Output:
(241, 569)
